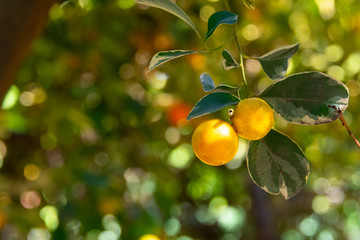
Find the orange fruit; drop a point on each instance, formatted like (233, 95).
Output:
(215, 142)
(253, 118)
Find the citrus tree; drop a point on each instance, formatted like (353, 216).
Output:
(275, 162)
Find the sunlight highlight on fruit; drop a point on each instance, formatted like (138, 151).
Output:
(253, 118)
(215, 142)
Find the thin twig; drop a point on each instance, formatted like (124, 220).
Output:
(342, 119)
(227, 6)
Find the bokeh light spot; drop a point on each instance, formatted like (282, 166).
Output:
(321, 185)
(172, 135)
(309, 226)
(251, 32)
(49, 215)
(27, 98)
(351, 207)
(326, 8)
(125, 4)
(326, 235)
(172, 227)
(38, 234)
(31, 172)
(292, 235)
(110, 223)
(351, 64)
(203, 215)
(321, 204)
(205, 12)
(334, 53)
(336, 72)
(126, 71)
(354, 87)
(231, 219)
(158, 80)
(181, 156)
(30, 199)
(142, 57)
(319, 61)
(107, 235)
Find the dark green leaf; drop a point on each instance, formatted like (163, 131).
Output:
(250, 4)
(218, 18)
(207, 82)
(277, 164)
(165, 56)
(229, 62)
(307, 98)
(276, 62)
(172, 8)
(211, 103)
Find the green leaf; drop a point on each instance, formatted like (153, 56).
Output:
(218, 18)
(250, 4)
(207, 82)
(165, 56)
(307, 98)
(171, 8)
(276, 62)
(229, 62)
(211, 103)
(209, 85)
(277, 164)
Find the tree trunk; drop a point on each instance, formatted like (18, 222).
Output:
(21, 21)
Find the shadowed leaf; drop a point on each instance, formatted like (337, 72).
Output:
(277, 164)
(229, 62)
(276, 62)
(211, 103)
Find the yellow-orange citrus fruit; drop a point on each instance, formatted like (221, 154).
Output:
(215, 142)
(253, 118)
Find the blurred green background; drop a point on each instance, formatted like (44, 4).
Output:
(93, 146)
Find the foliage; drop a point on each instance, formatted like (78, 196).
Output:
(94, 146)
(305, 98)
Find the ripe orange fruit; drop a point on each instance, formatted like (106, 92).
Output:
(215, 142)
(253, 118)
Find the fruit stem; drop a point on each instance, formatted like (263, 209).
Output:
(244, 90)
